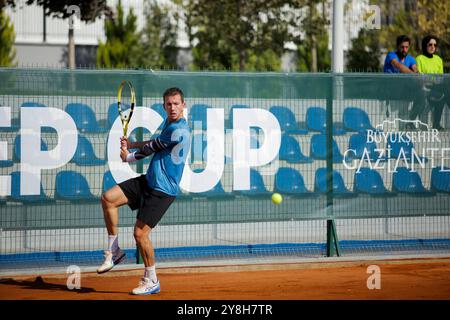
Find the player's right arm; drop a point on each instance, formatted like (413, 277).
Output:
(145, 148)
(401, 66)
(124, 142)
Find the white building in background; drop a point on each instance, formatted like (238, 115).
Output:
(43, 41)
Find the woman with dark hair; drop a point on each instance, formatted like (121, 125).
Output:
(430, 63)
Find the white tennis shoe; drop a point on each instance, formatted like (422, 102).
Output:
(146, 286)
(111, 259)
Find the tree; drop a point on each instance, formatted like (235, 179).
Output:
(7, 37)
(236, 34)
(89, 12)
(312, 44)
(159, 37)
(364, 56)
(122, 46)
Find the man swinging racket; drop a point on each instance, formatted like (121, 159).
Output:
(152, 193)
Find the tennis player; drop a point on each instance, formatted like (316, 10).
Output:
(152, 193)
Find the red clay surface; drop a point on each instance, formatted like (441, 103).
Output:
(400, 279)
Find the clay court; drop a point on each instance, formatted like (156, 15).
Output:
(404, 279)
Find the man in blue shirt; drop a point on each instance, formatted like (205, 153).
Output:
(400, 61)
(151, 193)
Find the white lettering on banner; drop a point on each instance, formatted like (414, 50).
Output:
(33, 159)
(243, 156)
(5, 121)
(142, 117)
(215, 154)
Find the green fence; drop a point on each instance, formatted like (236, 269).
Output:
(381, 174)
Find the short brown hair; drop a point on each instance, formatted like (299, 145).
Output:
(172, 92)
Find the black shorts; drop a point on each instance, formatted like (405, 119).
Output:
(152, 204)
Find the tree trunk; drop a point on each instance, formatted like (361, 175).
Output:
(313, 53)
(241, 60)
(71, 49)
(312, 21)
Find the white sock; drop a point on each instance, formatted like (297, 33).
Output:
(113, 243)
(150, 273)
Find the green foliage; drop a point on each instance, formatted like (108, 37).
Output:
(313, 52)
(89, 10)
(159, 37)
(121, 49)
(7, 37)
(236, 35)
(364, 56)
(323, 54)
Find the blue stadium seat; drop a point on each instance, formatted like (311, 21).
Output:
(257, 187)
(85, 155)
(356, 119)
(358, 143)
(396, 146)
(318, 149)
(216, 192)
(84, 118)
(440, 180)
(289, 181)
(108, 181)
(113, 113)
(197, 114)
(15, 191)
(230, 116)
(290, 151)
(72, 185)
(409, 182)
(159, 107)
(17, 152)
(287, 120)
(6, 163)
(339, 188)
(316, 120)
(33, 104)
(369, 181)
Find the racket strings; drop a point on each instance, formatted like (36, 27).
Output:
(126, 102)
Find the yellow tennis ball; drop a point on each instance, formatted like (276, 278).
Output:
(277, 198)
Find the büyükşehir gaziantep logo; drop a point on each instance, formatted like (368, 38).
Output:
(394, 143)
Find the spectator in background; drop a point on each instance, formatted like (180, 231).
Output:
(430, 63)
(400, 62)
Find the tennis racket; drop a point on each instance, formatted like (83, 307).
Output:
(126, 100)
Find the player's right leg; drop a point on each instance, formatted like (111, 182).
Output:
(111, 201)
